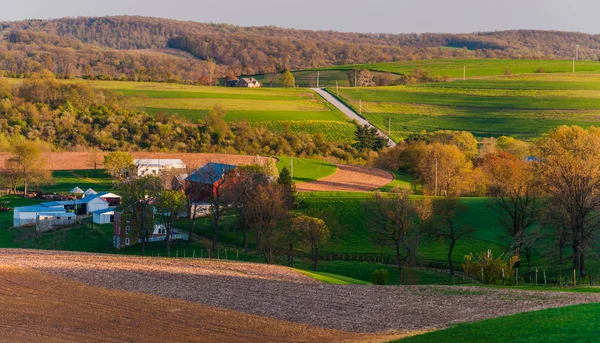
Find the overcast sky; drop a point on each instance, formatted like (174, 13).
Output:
(393, 16)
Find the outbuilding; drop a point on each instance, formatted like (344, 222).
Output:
(147, 166)
(27, 215)
(105, 216)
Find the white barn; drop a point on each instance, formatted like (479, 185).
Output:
(147, 166)
(27, 215)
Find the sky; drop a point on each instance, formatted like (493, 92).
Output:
(389, 16)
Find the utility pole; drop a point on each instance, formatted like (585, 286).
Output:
(318, 75)
(292, 167)
(573, 65)
(355, 78)
(464, 73)
(337, 89)
(390, 127)
(360, 106)
(436, 177)
(577, 52)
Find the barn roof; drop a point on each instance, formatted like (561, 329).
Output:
(210, 173)
(159, 162)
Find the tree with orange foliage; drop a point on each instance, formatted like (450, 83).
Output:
(569, 168)
(444, 170)
(515, 192)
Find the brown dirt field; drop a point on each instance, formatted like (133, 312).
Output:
(349, 179)
(284, 294)
(85, 160)
(39, 307)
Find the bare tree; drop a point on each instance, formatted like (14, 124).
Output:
(392, 223)
(448, 227)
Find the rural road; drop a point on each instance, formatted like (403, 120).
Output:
(350, 112)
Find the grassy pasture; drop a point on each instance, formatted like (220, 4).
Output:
(477, 67)
(307, 169)
(524, 106)
(572, 323)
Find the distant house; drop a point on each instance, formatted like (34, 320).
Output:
(147, 166)
(246, 82)
(203, 182)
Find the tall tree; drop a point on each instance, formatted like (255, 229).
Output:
(444, 170)
(169, 204)
(287, 79)
(28, 163)
(569, 167)
(392, 223)
(139, 199)
(515, 191)
(265, 214)
(448, 226)
(119, 165)
(315, 233)
(289, 187)
(242, 195)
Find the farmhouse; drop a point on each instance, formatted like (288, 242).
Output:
(156, 165)
(246, 82)
(203, 183)
(125, 232)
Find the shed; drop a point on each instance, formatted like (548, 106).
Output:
(27, 215)
(105, 216)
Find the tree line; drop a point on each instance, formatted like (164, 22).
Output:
(546, 193)
(76, 117)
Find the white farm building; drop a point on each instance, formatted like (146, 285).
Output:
(105, 216)
(147, 166)
(63, 210)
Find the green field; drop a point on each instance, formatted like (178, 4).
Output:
(567, 324)
(523, 106)
(477, 67)
(306, 169)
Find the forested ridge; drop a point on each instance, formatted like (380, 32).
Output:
(154, 49)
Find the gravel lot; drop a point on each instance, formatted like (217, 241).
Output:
(280, 293)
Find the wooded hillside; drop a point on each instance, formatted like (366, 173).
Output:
(143, 48)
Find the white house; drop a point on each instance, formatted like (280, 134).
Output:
(156, 165)
(105, 216)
